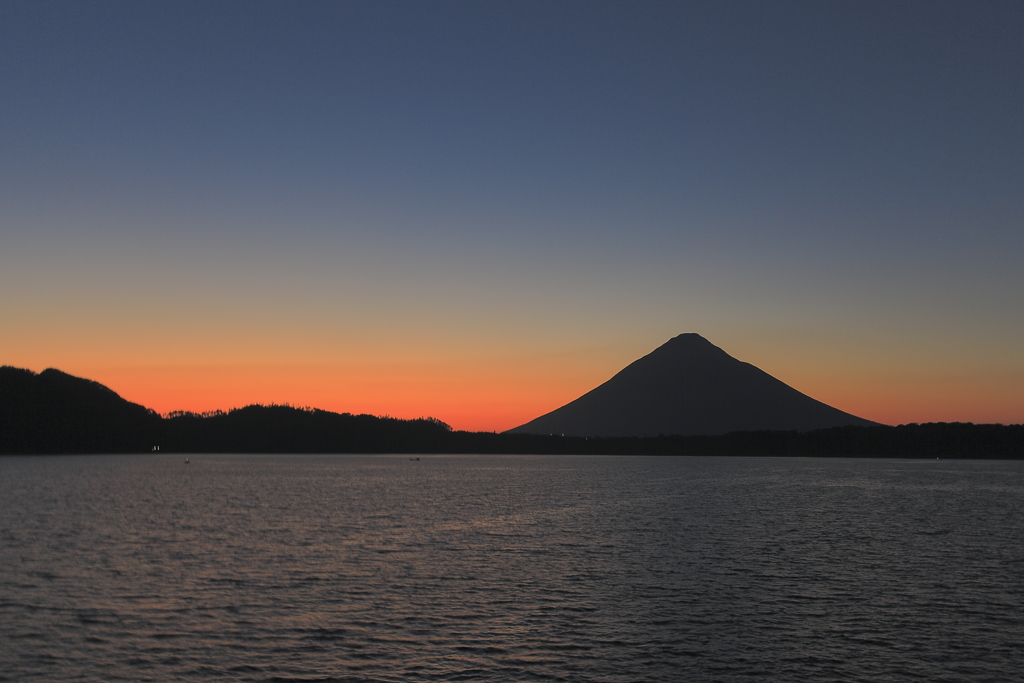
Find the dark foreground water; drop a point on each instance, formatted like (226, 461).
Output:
(490, 568)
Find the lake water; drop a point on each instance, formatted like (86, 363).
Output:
(520, 568)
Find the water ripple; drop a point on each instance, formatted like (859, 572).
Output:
(378, 569)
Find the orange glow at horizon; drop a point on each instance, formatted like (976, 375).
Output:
(495, 384)
(481, 398)
(472, 401)
(979, 399)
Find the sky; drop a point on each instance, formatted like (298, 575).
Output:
(480, 211)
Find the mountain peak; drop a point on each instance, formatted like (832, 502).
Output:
(688, 337)
(689, 386)
(689, 343)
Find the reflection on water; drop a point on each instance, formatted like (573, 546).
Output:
(316, 568)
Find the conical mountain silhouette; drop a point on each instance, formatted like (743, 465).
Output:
(689, 386)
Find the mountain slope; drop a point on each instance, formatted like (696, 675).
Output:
(53, 412)
(689, 386)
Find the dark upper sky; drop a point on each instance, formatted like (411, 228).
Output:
(540, 177)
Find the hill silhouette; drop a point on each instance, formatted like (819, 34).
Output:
(689, 386)
(54, 412)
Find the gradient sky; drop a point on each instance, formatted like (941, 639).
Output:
(479, 211)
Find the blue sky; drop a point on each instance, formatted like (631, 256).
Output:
(541, 192)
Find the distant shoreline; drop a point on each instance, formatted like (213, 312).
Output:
(370, 435)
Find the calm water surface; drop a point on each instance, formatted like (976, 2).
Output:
(493, 568)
